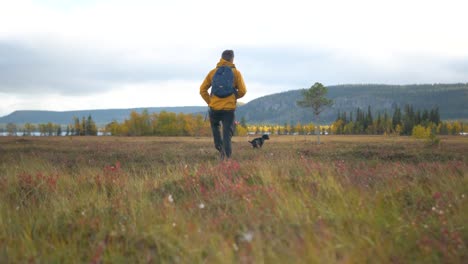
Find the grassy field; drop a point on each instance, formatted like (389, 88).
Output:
(352, 199)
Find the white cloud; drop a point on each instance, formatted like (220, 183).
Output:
(366, 26)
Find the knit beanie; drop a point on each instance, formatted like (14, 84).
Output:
(228, 55)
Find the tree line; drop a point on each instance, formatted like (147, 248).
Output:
(172, 124)
(85, 127)
(160, 124)
(401, 122)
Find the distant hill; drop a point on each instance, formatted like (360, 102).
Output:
(101, 117)
(452, 100)
(280, 108)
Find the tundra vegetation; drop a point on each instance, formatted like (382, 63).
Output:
(352, 199)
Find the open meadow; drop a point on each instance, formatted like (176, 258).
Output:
(351, 199)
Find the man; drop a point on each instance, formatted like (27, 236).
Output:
(223, 105)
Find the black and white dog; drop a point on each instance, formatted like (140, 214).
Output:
(258, 142)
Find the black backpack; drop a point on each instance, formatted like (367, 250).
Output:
(222, 84)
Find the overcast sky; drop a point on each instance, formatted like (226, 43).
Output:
(94, 54)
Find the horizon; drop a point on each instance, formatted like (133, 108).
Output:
(241, 102)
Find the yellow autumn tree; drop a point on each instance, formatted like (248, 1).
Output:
(421, 132)
(241, 131)
(456, 128)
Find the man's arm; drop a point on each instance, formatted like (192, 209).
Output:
(241, 89)
(204, 89)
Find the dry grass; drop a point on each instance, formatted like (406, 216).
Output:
(352, 199)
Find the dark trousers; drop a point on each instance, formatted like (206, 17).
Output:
(222, 143)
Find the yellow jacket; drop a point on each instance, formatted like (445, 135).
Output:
(228, 103)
